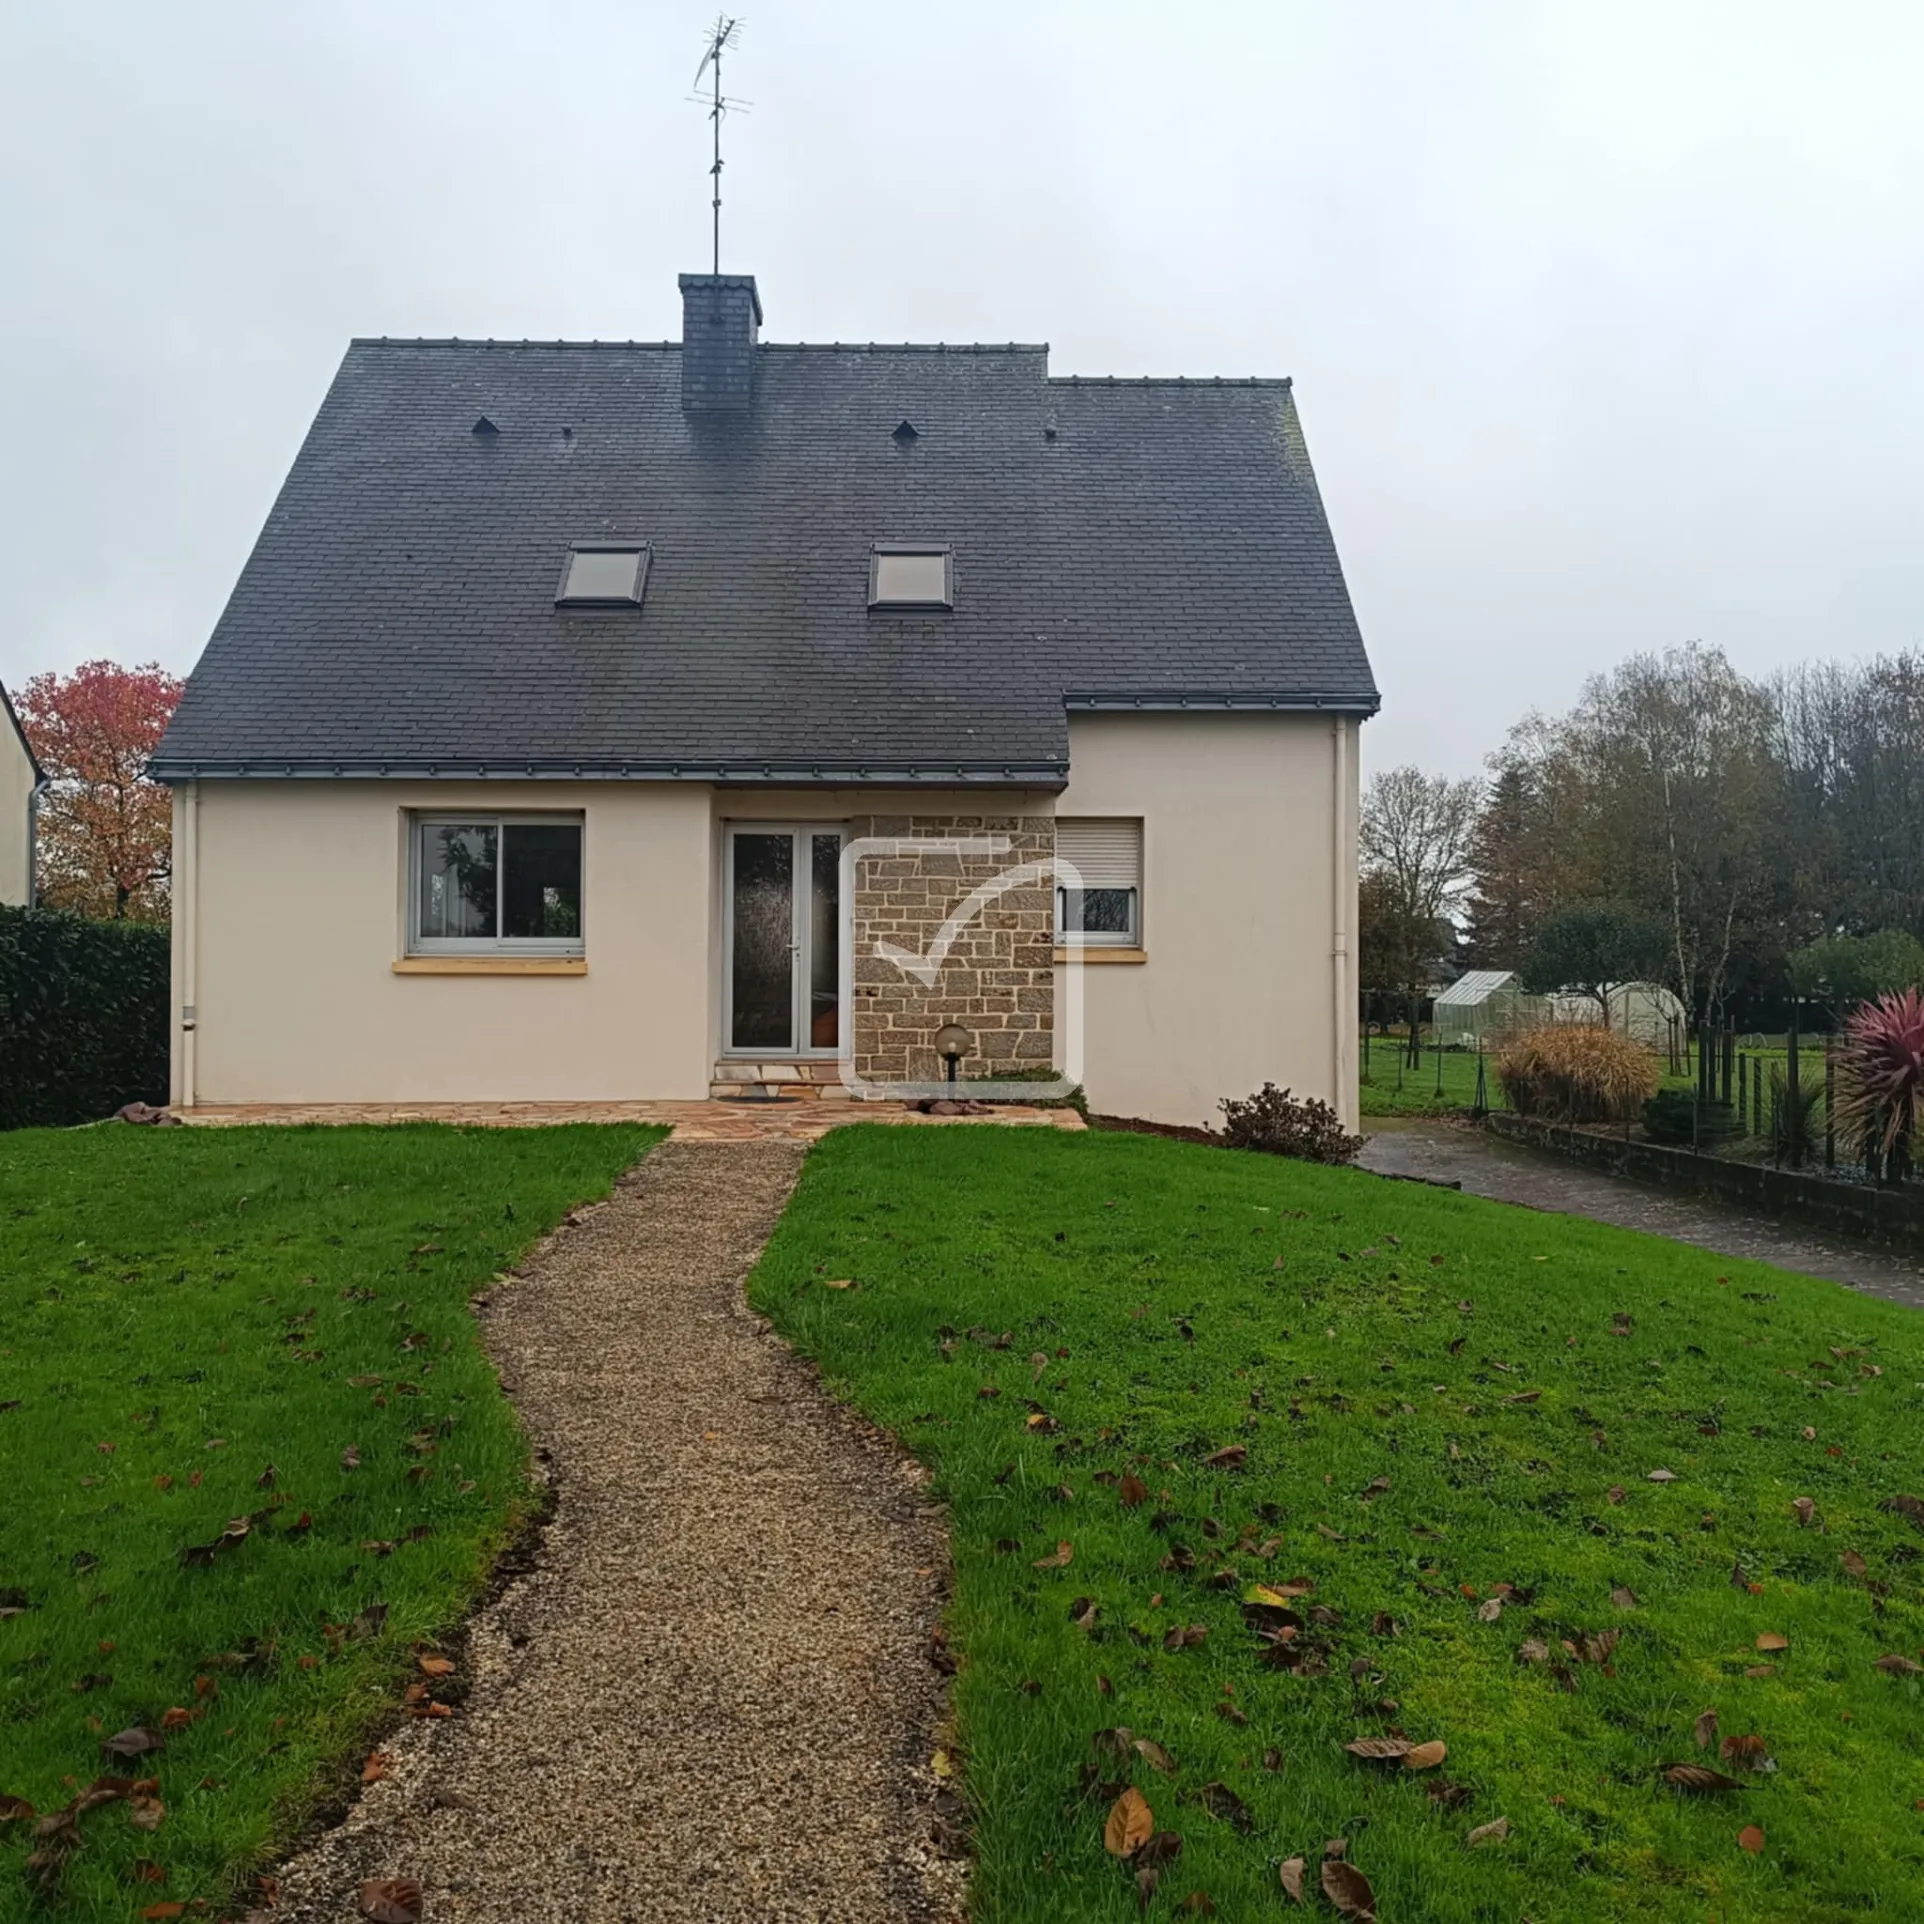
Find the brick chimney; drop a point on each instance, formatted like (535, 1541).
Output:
(720, 314)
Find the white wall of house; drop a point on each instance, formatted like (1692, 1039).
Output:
(1248, 911)
(16, 815)
(292, 895)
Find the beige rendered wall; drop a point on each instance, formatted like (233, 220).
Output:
(1248, 911)
(16, 789)
(291, 894)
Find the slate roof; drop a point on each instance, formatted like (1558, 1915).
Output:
(1117, 543)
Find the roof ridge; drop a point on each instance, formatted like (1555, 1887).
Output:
(767, 347)
(1171, 380)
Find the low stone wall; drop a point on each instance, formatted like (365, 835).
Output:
(997, 979)
(1880, 1215)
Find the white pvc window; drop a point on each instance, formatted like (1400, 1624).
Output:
(901, 576)
(1099, 886)
(482, 884)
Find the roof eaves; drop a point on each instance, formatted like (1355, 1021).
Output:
(1343, 702)
(1029, 774)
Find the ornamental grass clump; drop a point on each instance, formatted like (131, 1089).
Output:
(1570, 1074)
(1880, 1070)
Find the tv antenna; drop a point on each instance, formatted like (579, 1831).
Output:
(723, 37)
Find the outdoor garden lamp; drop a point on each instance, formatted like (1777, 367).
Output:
(952, 1043)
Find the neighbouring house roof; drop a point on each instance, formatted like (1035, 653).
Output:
(1116, 544)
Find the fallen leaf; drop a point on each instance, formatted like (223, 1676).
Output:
(1898, 1666)
(391, 1900)
(1751, 1839)
(1182, 1635)
(16, 1810)
(1532, 1650)
(1761, 1670)
(1624, 1597)
(145, 1813)
(1489, 1610)
(436, 1666)
(1155, 1756)
(1492, 1833)
(1770, 1640)
(1661, 1476)
(1616, 1493)
(375, 1768)
(1345, 1886)
(1220, 1801)
(133, 1742)
(1231, 1456)
(1380, 1749)
(1854, 1565)
(1132, 1490)
(351, 1460)
(1291, 1872)
(1060, 1560)
(1747, 1753)
(838, 1282)
(1805, 1510)
(1130, 1824)
(1705, 1729)
(155, 1913)
(1698, 1777)
(1426, 1756)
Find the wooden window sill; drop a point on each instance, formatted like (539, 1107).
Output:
(491, 965)
(1101, 955)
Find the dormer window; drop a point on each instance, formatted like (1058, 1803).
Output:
(603, 574)
(910, 575)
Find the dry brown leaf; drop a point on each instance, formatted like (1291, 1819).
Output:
(391, 1900)
(1616, 1493)
(1380, 1749)
(1750, 1839)
(1624, 1597)
(1291, 1872)
(1492, 1833)
(838, 1282)
(1426, 1756)
(1349, 1890)
(1155, 1756)
(1897, 1666)
(375, 1768)
(158, 1913)
(1770, 1640)
(1761, 1670)
(1489, 1610)
(1805, 1510)
(436, 1666)
(133, 1742)
(1231, 1456)
(1064, 1554)
(1747, 1752)
(1532, 1650)
(1132, 1490)
(1705, 1729)
(1130, 1825)
(1661, 1476)
(1698, 1777)
(1854, 1565)
(16, 1810)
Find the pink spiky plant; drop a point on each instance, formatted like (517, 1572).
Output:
(1881, 1066)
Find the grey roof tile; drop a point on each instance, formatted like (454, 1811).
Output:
(1116, 542)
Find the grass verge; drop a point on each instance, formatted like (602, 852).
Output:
(205, 1328)
(1541, 1478)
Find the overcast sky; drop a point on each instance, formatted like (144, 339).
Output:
(1605, 318)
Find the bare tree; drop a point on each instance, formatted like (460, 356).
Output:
(1418, 831)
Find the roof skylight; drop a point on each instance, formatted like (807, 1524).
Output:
(603, 574)
(905, 575)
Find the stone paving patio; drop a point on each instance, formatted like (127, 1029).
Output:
(778, 1121)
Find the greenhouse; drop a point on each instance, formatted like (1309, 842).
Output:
(1479, 1008)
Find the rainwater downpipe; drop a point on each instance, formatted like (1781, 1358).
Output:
(1342, 1013)
(40, 787)
(187, 909)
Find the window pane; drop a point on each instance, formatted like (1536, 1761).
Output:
(457, 880)
(541, 881)
(601, 575)
(1097, 911)
(824, 941)
(912, 577)
(763, 933)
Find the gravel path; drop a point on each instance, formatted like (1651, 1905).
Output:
(711, 1697)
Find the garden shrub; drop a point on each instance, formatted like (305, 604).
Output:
(1278, 1124)
(1570, 1074)
(1881, 1068)
(83, 1017)
(1675, 1117)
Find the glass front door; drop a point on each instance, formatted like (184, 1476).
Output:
(784, 961)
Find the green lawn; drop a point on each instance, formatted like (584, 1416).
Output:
(1439, 1397)
(259, 1330)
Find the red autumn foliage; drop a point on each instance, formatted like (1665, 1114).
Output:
(106, 839)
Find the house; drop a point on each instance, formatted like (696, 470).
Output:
(20, 790)
(598, 721)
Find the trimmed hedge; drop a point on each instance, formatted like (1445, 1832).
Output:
(83, 1017)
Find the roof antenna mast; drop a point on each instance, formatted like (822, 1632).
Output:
(723, 37)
